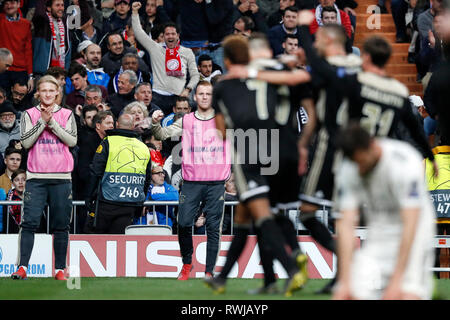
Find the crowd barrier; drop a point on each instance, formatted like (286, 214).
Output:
(322, 214)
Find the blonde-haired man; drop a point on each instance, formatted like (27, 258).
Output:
(47, 132)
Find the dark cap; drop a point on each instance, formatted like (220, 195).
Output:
(7, 106)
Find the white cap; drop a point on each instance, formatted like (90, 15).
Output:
(416, 101)
(83, 45)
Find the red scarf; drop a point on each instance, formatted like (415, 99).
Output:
(173, 62)
(61, 49)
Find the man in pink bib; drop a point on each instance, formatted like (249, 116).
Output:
(205, 167)
(47, 132)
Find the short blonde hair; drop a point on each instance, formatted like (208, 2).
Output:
(133, 104)
(47, 79)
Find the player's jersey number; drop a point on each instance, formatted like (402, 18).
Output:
(374, 116)
(282, 110)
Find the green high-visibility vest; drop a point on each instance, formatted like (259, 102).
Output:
(124, 177)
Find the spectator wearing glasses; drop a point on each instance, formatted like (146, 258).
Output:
(160, 190)
(19, 95)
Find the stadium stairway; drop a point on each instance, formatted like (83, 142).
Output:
(398, 66)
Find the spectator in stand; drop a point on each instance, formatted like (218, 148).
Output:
(244, 26)
(181, 106)
(194, 26)
(92, 54)
(276, 17)
(290, 44)
(130, 61)
(170, 64)
(330, 16)
(118, 19)
(349, 6)
(51, 41)
(16, 144)
(155, 146)
(88, 30)
(87, 116)
(429, 124)
(399, 8)
(125, 95)
(94, 97)
(154, 14)
(207, 68)
(140, 115)
(342, 19)
(20, 97)
(437, 96)
(14, 212)
(15, 34)
(157, 34)
(220, 24)
(13, 158)
(9, 125)
(128, 36)
(6, 60)
(112, 60)
(277, 34)
(430, 53)
(79, 78)
(160, 190)
(143, 94)
(250, 9)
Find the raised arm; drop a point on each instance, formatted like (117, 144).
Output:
(141, 36)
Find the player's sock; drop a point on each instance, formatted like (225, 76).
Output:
(26, 237)
(289, 232)
(320, 233)
(186, 244)
(60, 241)
(234, 252)
(266, 261)
(272, 239)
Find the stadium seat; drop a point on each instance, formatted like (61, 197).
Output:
(148, 230)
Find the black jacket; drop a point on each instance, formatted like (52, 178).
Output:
(88, 142)
(119, 101)
(111, 63)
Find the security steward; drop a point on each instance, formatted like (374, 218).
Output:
(120, 178)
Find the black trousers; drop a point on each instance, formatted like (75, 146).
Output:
(114, 218)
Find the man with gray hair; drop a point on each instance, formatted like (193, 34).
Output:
(130, 61)
(9, 125)
(6, 59)
(143, 93)
(125, 95)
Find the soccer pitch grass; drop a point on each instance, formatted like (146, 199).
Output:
(157, 289)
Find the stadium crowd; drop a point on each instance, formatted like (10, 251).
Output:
(109, 63)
